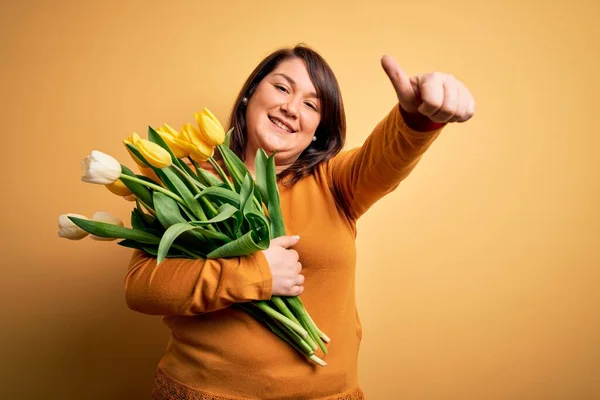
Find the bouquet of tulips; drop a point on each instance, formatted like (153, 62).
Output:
(184, 210)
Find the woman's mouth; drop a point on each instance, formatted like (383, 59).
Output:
(280, 125)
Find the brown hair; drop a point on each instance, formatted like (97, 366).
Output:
(331, 132)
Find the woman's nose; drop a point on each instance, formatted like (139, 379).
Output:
(290, 107)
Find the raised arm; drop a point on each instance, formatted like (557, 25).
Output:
(361, 176)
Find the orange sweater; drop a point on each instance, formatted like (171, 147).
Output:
(220, 352)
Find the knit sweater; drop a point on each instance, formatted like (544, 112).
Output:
(219, 352)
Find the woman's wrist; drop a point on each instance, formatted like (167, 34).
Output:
(419, 122)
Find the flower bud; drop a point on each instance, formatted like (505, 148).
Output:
(103, 216)
(68, 230)
(211, 130)
(153, 153)
(149, 173)
(131, 141)
(176, 145)
(119, 188)
(100, 168)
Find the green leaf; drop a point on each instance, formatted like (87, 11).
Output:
(168, 213)
(227, 140)
(136, 220)
(185, 193)
(151, 248)
(211, 179)
(222, 194)
(132, 244)
(188, 213)
(246, 191)
(140, 191)
(249, 243)
(212, 234)
(259, 224)
(167, 210)
(169, 237)
(226, 211)
(107, 230)
(204, 176)
(267, 184)
(257, 238)
(236, 168)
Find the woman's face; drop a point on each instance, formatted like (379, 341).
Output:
(283, 113)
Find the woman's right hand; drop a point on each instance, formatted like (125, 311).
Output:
(285, 267)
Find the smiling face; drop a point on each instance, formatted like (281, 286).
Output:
(283, 113)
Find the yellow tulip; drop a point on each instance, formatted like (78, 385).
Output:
(149, 173)
(131, 140)
(153, 153)
(211, 130)
(119, 188)
(131, 197)
(189, 133)
(200, 151)
(176, 145)
(167, 129)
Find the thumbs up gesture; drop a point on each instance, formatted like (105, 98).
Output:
(439, 96)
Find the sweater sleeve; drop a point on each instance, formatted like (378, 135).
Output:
(361, 176)
(181, 286)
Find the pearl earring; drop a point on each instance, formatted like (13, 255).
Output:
(314, 139)
(244, 100)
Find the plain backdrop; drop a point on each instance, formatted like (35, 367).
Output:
(476, 279)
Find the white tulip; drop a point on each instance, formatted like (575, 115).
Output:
(68, 230)
(100, 168)
(103, 216)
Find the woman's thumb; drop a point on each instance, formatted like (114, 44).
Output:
(285, 241)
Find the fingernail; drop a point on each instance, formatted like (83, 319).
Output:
(296, 237)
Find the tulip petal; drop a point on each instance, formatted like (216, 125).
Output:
(100, 168)
(211, 130)
(176, 145)
(103, 216)
(68, 230)
(154, 154)
(119, 188)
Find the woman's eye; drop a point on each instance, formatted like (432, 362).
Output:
(281, 88)
(311, 105)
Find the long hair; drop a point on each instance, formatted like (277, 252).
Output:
(331, 132)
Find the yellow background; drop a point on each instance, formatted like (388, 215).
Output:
(477, 279)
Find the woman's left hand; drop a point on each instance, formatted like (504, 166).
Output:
(439, 96)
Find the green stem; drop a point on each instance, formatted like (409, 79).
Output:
(304, 347)
(280, 304)
(146, 206)
(322, 334)
(221, 173)
(281, 318)
(298, 307)
(288, 335)
(196, 166)
(153, 186)
(195, 184)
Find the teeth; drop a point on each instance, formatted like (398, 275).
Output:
(281, 125)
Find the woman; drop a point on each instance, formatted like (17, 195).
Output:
(291, 103)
